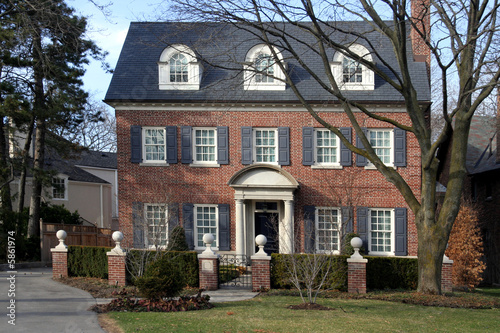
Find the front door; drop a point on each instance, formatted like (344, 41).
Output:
(266, 224)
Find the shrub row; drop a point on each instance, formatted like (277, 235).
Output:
(381, 272)
(88, 261)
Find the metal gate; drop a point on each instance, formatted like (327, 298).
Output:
(235, 271)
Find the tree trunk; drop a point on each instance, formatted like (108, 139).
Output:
(34, 220)
(430, 260)
(24, 166)
(6, 200)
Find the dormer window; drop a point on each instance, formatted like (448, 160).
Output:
(349, 73)
(179, 69)
(261, 70)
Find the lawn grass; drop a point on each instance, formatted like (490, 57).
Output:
(270, 314)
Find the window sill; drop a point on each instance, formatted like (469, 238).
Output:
(373, 167)
(381, 254)
(59, 199)
(179, 86)
(276, 87)
(356, 86)
(326, 166)
(153, 164)
(199, 165)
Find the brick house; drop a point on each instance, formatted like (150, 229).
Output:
(234, 150)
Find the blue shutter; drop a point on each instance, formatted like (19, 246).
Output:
(222, 145)
(224, 228)
(361, 160)
(307, 145)
(347, 220)
(399, 147)
(173, 216)
(401, 232)
(171, 144)
(362, 219)
(135, 144)
(246, 145)
(138, 225)
(309, 229)
(283, 146)
(345, 153)
(186, 146)
(188, 223)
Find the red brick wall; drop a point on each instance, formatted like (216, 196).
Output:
(261, 274)
(59, 264)
(116, 270)
(209, 185)
(446, 280)
(209, 280)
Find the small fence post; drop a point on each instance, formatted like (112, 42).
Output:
(116, 262)
(261, 266)
(60, 256)
(209, 265)
(446, 275)
(356, 269)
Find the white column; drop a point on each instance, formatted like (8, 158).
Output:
(240, 228)
(286, 229)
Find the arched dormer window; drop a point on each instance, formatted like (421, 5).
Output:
(261, 70)
(179, 69)
(349, 73)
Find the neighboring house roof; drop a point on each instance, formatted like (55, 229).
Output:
(97, 159)
(482, 146)
(135, 78)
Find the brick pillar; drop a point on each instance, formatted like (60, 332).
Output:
(209, 271)
(116, 269)
(116, 262)
(446, 273)
(356, 269)
(261, 273)
(60, 257)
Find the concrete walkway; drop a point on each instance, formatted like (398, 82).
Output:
(42, 305)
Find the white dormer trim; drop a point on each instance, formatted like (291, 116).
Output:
(194, 71)
(251, 75)
(368, 77)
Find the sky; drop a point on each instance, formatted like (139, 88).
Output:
(108, 32)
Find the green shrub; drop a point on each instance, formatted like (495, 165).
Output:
(391, 273)
(163, 278)
(177, 240)
(280, 273)
(88, 261)
(58, 214)
(186, 261)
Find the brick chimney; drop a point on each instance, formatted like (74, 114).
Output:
(420, 13)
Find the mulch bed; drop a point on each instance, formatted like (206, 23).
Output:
(310, 306)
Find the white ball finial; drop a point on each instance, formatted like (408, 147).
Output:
(61, 236)
(208, 239)
(356, 242)
(261, 240)
(117, 236)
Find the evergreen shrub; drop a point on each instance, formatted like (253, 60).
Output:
(391, 273)
(88, 261)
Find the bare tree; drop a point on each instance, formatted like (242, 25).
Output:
(464, 46)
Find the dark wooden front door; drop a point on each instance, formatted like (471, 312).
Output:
(267, 225)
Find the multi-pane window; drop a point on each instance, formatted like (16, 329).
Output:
(206, 223)
(265, 69)
(381, 142)
(154, 144)
(205, 146)
(351, 71)
(326, 147)
(156, 220)
(178, 68)
(380, 230)
(327, 229)
(58, 188)
(265, 146)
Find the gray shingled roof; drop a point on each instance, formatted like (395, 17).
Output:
(136, 74)
(482, 145)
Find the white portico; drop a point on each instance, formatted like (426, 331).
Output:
(263, 194)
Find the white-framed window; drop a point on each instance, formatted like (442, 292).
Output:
(206, 221)
(204, 145)
(265, 145)
(179, 69)
(382, 141)
(381, 235)
(60, 188)
(262, 72)
(349, 73)
(327, 229)
(326, 148)
(153, 145)
(156, 218)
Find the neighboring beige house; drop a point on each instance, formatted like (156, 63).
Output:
(86, 183)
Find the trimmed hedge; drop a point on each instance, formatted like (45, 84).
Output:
(391, 273)
(88, 261)
(186, 262)
(280, 276)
